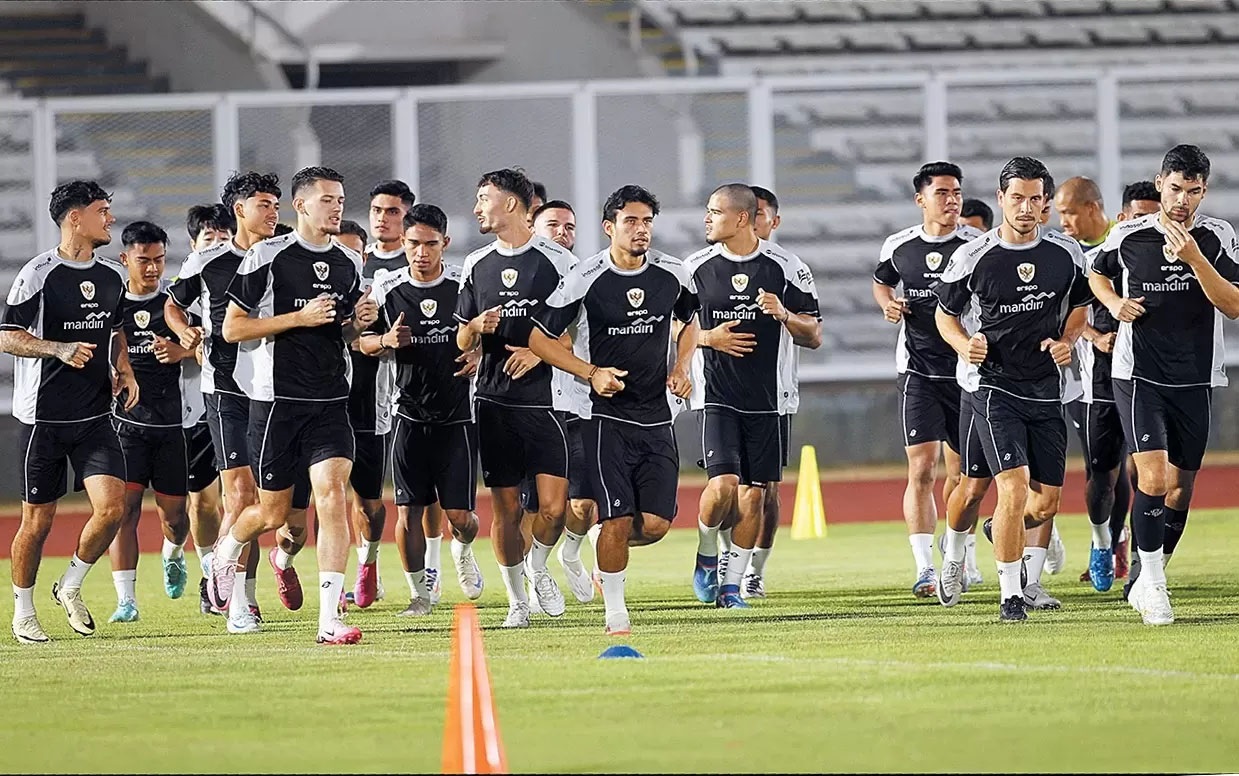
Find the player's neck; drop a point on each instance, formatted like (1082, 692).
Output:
(387, 247)
(741, 244)
(935, 229)
(75, 249)
(626, 261)
(1012, 237)
(514, 235)
(312, 236)
(429, 276)
(1164, 219)
(137, 289)
(245, 239)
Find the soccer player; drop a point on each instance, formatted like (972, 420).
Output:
(390, 201)
(1022, 282)
(755, 295)
(300, 298)
(253, 199)
(623, 300)
(1177, 273)
(519, 433)
(150, 434)
(976, 214)
(556, 221)
(434, 442)
(62, 322)
(929, 395)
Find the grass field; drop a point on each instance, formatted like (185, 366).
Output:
(840, 670)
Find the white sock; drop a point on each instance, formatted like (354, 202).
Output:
(203, 552)
(514, 581)
(613, 592)
(539, 554)
(572, 547)
(956, 545)
(282, 559)
(458, 549)
(970, 554)
(229, 548)
(724, 541)
(23, 602)
(707, 540)
(737, 564)
(1009, 580)
(417, 584)
(172, 550)
(204, 558)
(1153, 567)
(593, 533)
(251, 590)
(1034, 560)
(75, 574)
(922, 550)
(240, 601)
(434, 549)
(125, 583)
(368, 552)
(757, 563)
(1101, 536)
(330, 585)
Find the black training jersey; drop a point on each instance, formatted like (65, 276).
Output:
(727, 286)
(517, 281)
(624, 322)
(370, 391)
(1178, 341)
(427, 389)
(916, 260)
(1021, 295)
(1094, 365)
(64, 301)
(204, 279)
(378, 261)
(281, 275)
(159, 385)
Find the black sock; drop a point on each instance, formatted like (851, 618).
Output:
(1148, 521)
(1097, 495)
(1176, 521)
(1122, 504)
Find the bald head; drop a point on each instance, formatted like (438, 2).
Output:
(1080, 190)
(738, 198)
(1078, 202)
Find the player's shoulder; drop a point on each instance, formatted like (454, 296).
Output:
(452, 272)
(1125, 229)
(899, 238)
(1218, 226)
(115, 266)
(387, 282)
(966, 257)
(777, 252)
(966, 233)
(1057, 239)
(561, 257)
(265, 251)
(36, 270)
(349, 254)
(475, 256)
(695, 260)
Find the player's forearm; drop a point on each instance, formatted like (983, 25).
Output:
(371, 344)
(120, 353)
(19, 342)
(1103, 288)
(175, 317)
(1090, 334)
(686, 344)
(883, 295)
(240, 327)
(704, 337)
(352, 330)
(806, 330)
(552, 352)
(466, 338)
(952, 331)
(1220, 291)
(1076, 322)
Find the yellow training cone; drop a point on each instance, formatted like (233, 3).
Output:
(808, 517)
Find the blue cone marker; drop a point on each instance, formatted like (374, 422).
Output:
(619, 651)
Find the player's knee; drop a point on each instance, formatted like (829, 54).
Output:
(921, 473)
(1043, 509)
(654, 528)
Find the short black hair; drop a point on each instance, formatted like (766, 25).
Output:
(554, 204)
(243, 185)
(348, 226)
(282, 229)
(740, 195)
(308, 176)
(143, 233)
(933, 170)
(72, 195)
(427, 215)
(767, 196)
(1141, 191)
(1189, 160)
(199, 218)
(395, 188)
(1026, 168)
(511, 180)
(626, 195)
(539, 190)
(975, 207)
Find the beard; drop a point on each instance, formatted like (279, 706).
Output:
(638, 250)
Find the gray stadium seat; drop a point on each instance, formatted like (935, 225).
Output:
(769, 10)
(1075, 7)
(1121, 32)
(895, 9)
(1013, 8)
(1136, 6)
(837, 11)
(1199, 5)
(954, 9)
(876, 38)
(1185, 31)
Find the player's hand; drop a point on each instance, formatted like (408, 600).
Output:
(487, 322)
(318, 311)
(1059, 351)
(679, 383)
(366, 311)
(978, 348)
(191, 338)
(606, 381)
(399, 336)
(1105, 343)
(125, 381)
(771, 305)
(1180, 243)
(75, 354)
(520, 362)
(470, 359)
(1127, 310)
(894, 310)
(166, 351)
(724, 339)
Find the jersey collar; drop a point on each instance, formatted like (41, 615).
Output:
(726, 254)
(929, 238)
(502, 251)
(1022, 246)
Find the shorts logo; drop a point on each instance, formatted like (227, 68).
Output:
(933, 261)
(268, 476)
(88, 289)
(739, 282)
(710, 454)
(617, 502)
(508, 276)
(321, 269)
(34, 491)
(975, 467)
(912, 433)
(142, 318)
(232, 456)
(636, 296)
(1144, 438)
(428, 307)
(1007, 457)
(1026, 271)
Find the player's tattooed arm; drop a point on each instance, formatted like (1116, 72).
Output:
(19, 342)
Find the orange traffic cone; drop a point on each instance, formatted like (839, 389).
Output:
(471, 741)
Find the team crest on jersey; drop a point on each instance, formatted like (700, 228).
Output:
(740, 282)
(636, 296)
(508, 276)
(88, 289)
(429, 307)
(933, 261)
(1026, 271)
(321, 269)
(142, 318)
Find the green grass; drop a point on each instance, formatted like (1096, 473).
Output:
(840, 670)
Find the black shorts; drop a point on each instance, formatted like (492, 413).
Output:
(746, 445)
(785, 437)
(435, 463)
(1017, 432)
(155, 458)
(1176, 420)
(201, 450)
(929, 410)
(972, 462)
(229, 419)
(90, 446)
(517, 444)
(288, 437)
(369, 464)
(1101, 434)
(580, 486)
(634, 469)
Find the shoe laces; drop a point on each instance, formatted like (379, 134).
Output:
(544, 583)
(752, 583)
